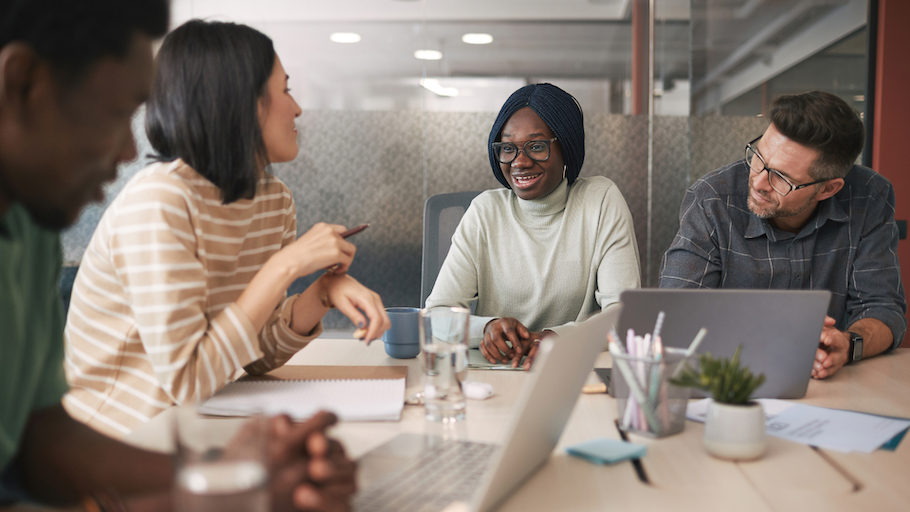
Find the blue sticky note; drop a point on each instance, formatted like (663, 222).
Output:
(896, 440)
(607, 451)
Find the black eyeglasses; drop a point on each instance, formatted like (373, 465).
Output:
(775, 178)
(537, 150)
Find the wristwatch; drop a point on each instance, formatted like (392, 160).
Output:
(855, 353)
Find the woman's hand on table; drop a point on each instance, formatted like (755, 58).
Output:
(506, 340)
(363, 306)
(309, 471)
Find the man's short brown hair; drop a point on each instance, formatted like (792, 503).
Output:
(821, 121)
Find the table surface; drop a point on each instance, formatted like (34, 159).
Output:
(680, 474)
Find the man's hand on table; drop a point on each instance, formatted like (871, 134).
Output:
(309, 470)
(831, 354)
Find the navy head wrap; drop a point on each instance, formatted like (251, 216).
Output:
(559, 110)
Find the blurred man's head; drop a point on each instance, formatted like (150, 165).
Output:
(72, 73)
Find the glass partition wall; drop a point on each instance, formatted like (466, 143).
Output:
(398, 98)
(746, 53)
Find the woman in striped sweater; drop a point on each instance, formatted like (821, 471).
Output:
(183, 285)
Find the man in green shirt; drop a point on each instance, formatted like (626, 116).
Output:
(72, 73)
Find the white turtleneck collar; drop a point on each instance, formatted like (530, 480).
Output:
(535, 211)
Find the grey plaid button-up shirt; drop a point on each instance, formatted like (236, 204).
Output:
(849, 247)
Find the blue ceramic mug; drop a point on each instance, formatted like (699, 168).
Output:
(402, 340)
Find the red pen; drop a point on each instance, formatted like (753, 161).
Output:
(346, 234)
(354, 231)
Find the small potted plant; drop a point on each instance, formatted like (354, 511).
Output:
(734, 426)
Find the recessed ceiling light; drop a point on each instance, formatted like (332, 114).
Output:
(428, 54)
(477, 38)
(345, 37)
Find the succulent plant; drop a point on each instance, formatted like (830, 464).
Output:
(724, 379)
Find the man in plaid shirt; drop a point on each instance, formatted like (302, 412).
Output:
(796, 213)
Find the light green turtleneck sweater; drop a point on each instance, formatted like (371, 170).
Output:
(545, 262)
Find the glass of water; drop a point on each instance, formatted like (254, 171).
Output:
(221, 464)
(443, 341)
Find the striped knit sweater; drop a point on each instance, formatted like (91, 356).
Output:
(152, 320)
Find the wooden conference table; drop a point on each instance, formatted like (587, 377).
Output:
(681, 476)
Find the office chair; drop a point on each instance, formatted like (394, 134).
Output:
(441, 215)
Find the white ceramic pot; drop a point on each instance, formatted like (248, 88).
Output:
(735, 432)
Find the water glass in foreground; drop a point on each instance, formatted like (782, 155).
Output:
(220, 464)
(444, 337)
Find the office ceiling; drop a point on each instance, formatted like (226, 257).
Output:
(532, 39)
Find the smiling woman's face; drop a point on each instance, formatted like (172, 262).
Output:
(528, 178)
(277, 111)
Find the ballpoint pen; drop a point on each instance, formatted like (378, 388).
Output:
(351, 232)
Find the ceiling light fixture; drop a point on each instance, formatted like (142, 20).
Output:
(345, 37)
(428, 54)
(477, 38)
(433, 85)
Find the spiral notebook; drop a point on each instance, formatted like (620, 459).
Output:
(353, 393)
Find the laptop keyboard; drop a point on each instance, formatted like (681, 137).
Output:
(448, 472)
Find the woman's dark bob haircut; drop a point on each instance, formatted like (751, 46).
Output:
(562, 114)
(204, 106)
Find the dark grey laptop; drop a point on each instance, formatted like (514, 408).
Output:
(424, 473)
(779, 329)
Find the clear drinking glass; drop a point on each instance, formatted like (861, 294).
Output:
(444, 344)
(221, 464)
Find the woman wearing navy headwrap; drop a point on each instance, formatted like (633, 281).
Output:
(549, 249)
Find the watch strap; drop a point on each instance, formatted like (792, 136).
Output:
(855, 352)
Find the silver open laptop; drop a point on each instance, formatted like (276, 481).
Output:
(779, 329)
(401, 475)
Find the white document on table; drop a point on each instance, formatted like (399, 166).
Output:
(350, 400)
(832, 429)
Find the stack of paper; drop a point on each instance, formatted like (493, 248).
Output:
(832, 429)
(349, 395)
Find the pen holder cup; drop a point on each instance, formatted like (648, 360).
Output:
(646, 402)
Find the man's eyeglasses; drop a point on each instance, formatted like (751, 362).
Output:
(537, 150)
(775, 178)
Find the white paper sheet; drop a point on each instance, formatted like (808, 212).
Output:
(350, 400)
(832, 429)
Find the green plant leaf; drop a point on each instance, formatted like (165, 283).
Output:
(725, 379)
